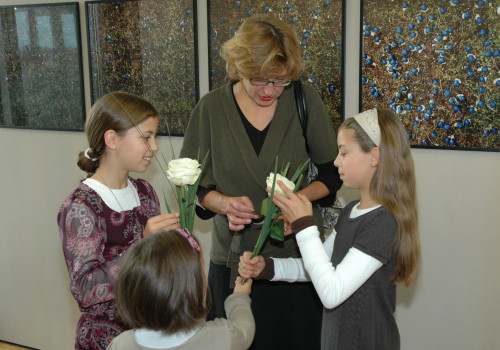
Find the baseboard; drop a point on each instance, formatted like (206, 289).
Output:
(18, 345)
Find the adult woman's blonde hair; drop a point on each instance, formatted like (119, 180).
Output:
(262, 47)
(393, 186)
(118, 111)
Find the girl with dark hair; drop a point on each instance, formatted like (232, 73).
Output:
(374, 244)
(161, 292)
(109, 211)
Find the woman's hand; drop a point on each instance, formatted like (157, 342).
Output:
(239, 212)
(245, 288)
(250, 268)
(295, 206)
(163, 222)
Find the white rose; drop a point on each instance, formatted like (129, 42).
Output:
(183, 171)
(277, 188)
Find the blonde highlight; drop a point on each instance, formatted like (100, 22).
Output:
(263, 46)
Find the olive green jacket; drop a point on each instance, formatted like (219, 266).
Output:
(235, 169)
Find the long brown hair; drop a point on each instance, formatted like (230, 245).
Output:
(161, 284)
(393, 186)
(118, 111)
(262, 46)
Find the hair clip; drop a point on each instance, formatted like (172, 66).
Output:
(86, 154)
(190, 239)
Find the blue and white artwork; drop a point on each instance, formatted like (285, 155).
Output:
(437, 65)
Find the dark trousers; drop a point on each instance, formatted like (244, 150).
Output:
(287, 316)
(219, 277)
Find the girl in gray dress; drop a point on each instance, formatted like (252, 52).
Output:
(374, 245)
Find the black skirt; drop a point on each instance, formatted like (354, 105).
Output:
(287, 316)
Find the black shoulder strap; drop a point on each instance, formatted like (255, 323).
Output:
(301, 108)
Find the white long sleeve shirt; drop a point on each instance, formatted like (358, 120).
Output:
(333, 285)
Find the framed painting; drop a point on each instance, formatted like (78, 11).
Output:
(147, 48)
(436, 65)
(41, 67)
(320, 29)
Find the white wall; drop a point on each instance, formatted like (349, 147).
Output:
(453, 305)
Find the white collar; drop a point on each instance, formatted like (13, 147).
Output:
(161, 340)
(125, 198)
(355, 212)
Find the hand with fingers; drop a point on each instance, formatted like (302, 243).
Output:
(240, 287)
(162, 222)
(295, 206)
(239, 212)
(250, 267)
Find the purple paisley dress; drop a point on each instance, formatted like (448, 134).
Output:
(94, 238)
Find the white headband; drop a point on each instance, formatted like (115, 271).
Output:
(368, 120)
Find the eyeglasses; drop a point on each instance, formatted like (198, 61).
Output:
(265, 82)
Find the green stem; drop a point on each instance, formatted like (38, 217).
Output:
(268, 221)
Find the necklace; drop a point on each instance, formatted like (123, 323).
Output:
(116, 199)
(136, 196)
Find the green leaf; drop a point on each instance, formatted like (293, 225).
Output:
(182, 209)
(189, 196)
(299, 171)
(284, 170)
(265, 205)
(277, 232)
(297, 184)
(166, 202)
(202, 167)
(264, 231)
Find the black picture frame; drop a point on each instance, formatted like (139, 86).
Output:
(41, 67)
(320, 28)
(436, 65)
(148, 48)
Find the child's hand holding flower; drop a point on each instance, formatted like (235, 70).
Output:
(251, 267)
(293, 205)
(243, 287)
(274, 224)
(279, 178)
(289, 184)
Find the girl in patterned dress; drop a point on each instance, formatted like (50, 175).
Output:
(109, 211)
(374, 244)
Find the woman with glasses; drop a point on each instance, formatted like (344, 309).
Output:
(246, 124)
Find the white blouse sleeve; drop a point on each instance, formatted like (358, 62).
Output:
(333, 285)
(292, 269)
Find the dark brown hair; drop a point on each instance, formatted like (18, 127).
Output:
(261, 47)
(393, 186)
(161, 284)
(118, 111)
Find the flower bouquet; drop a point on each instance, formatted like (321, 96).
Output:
(185, 173)
(274, 225)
